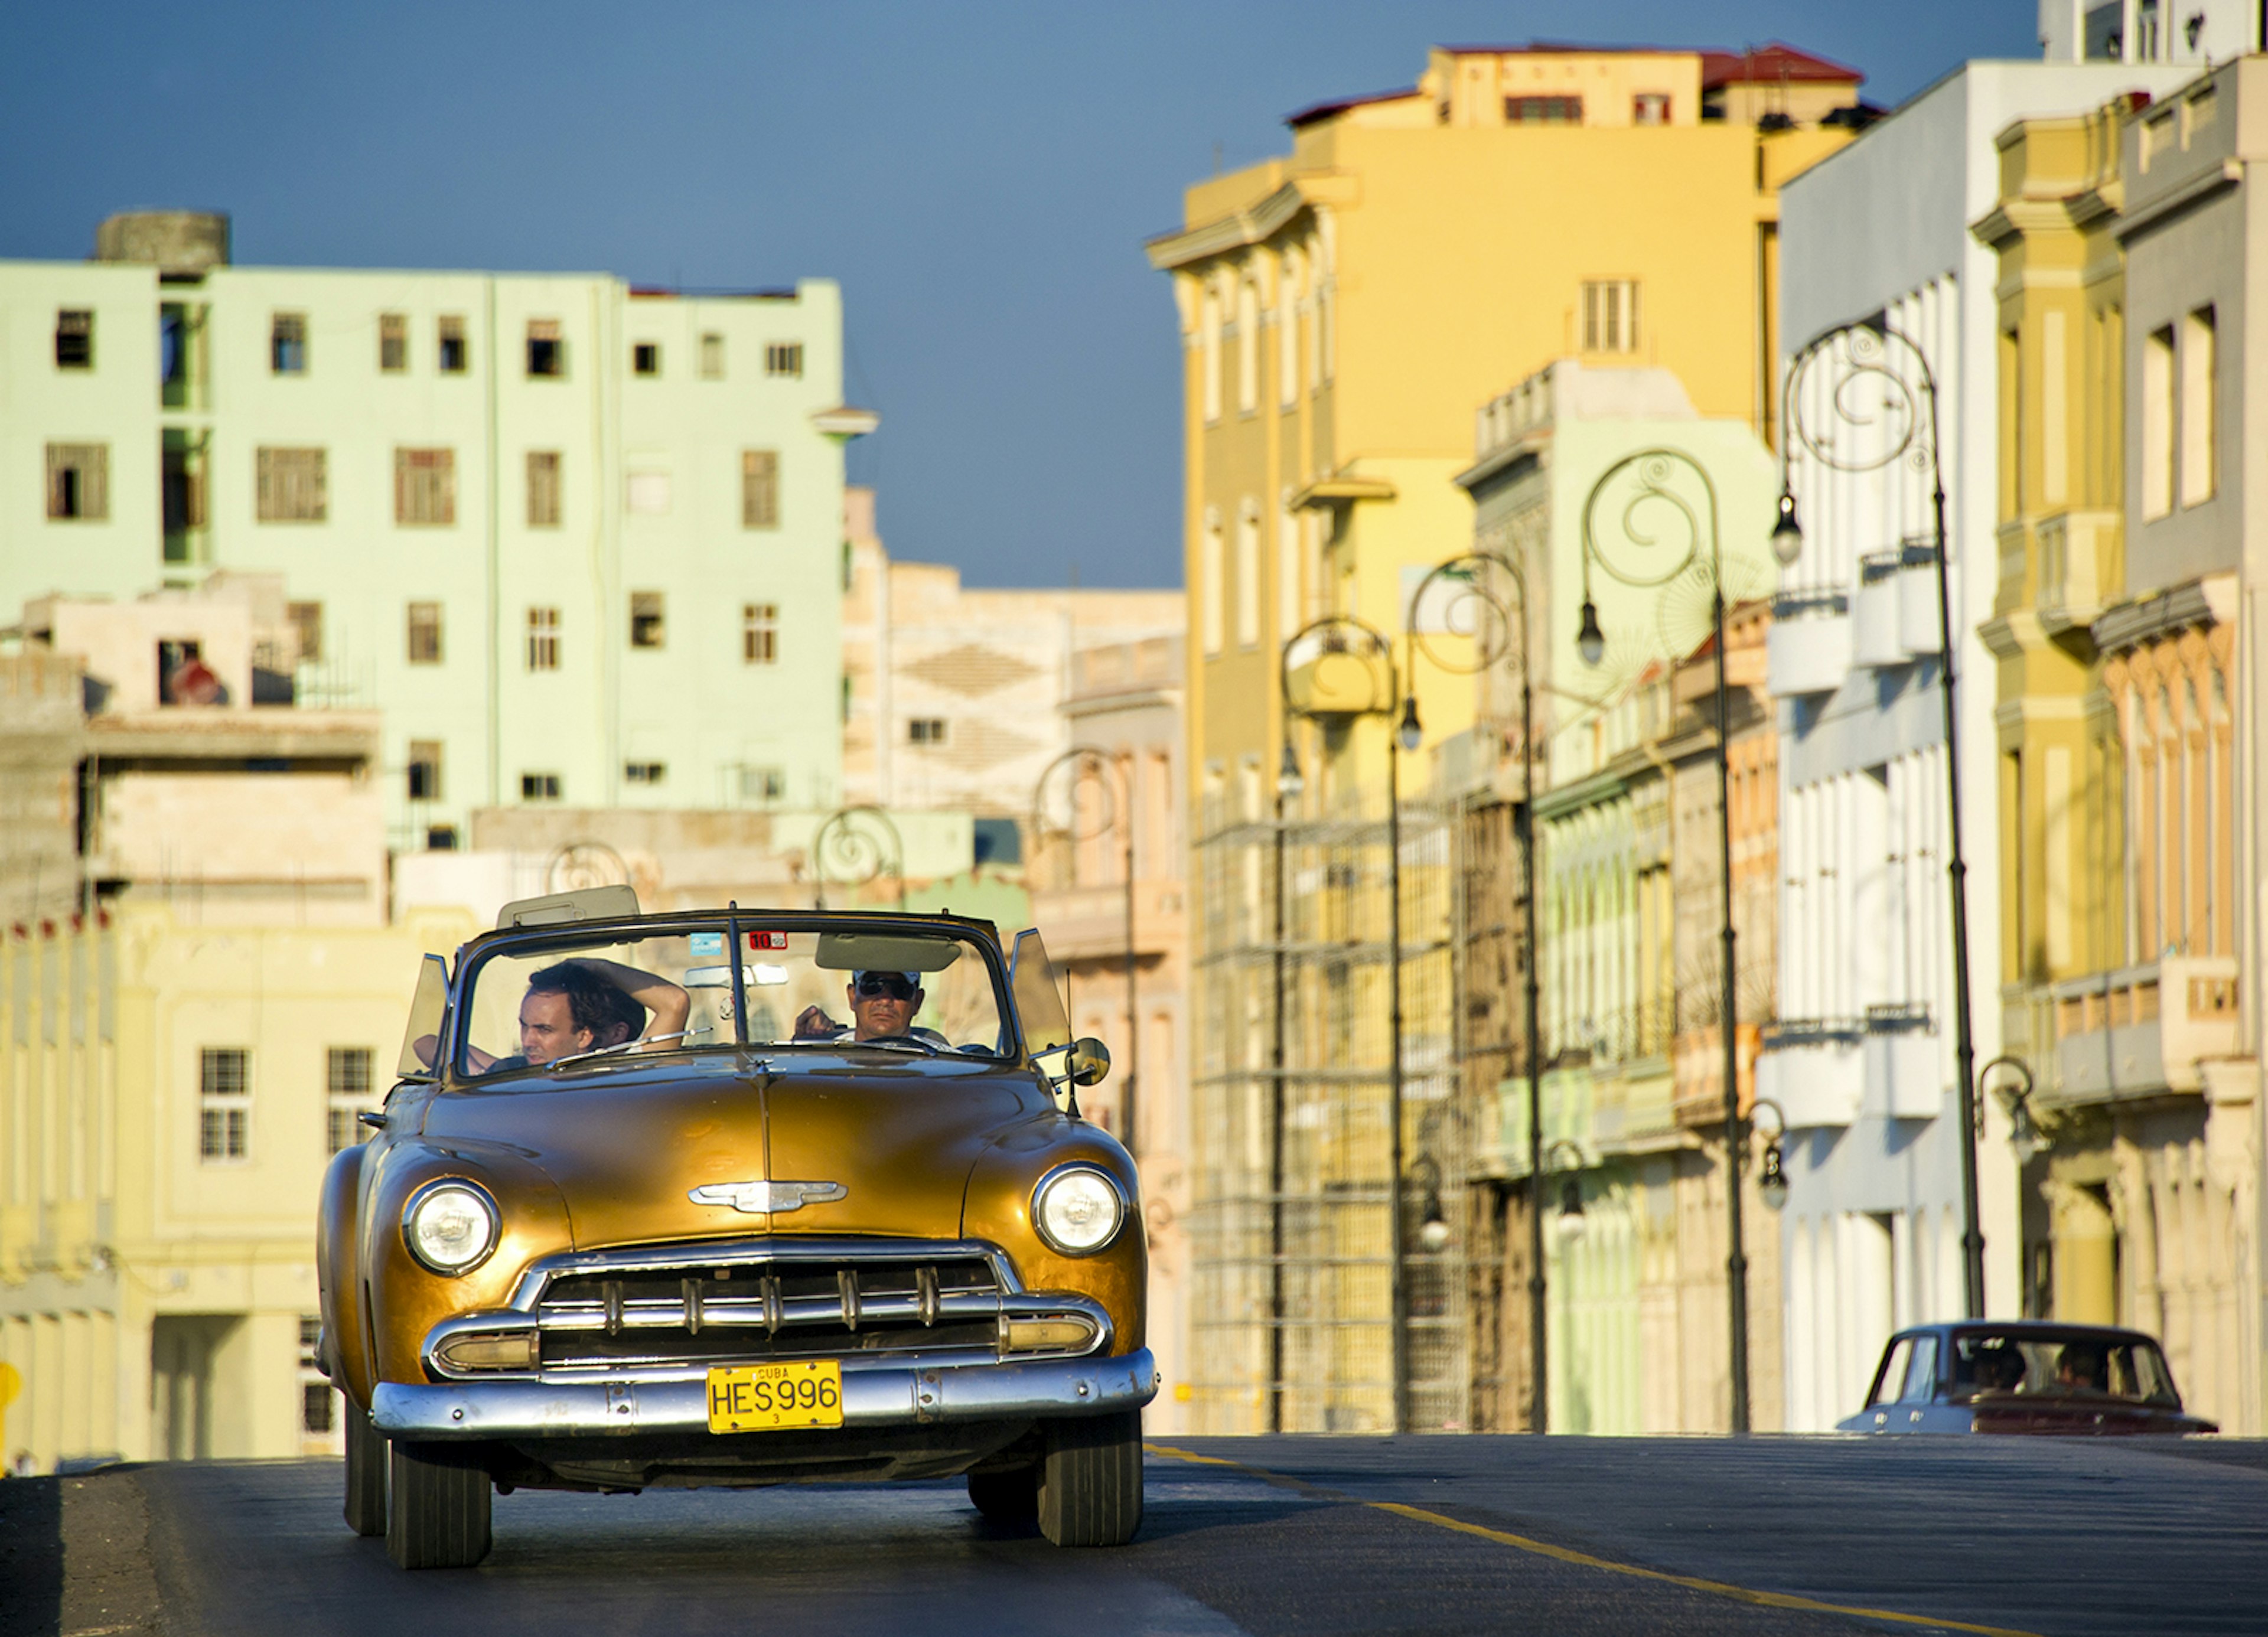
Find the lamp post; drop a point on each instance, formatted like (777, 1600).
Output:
(1644, 554)
(1489, 623)
(2024, 1134)
(1865, 366)
(849, 835)
(1289, 784)
(1350, 641)
(1771, 1186)
(1086, 763)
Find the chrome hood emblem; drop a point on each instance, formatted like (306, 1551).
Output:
(760, 1197)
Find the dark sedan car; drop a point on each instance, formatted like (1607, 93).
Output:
(2030, 1375)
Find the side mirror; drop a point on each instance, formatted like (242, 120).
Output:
(1090, 1062)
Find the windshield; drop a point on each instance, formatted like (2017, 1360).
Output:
(559, 1002)
(2034, 1363)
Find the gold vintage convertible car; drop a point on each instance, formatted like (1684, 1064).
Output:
(735, 1197)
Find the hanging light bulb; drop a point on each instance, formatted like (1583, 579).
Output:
(1288, 778)
(1771, 1186)
(1409, 733)
(1787, 533)
(1590, 641)
(1571, 1209)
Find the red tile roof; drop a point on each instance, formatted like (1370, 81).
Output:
(1770, 63)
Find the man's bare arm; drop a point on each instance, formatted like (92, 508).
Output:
(669, 1004)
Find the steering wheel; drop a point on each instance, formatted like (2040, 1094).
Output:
(893, 1040)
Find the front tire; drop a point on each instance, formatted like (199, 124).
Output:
(437, 1516)
(365, 1508)
(1090, 1480)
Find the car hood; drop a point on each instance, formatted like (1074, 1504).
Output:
(627, 1144)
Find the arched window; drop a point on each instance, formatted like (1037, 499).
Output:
(1210, 588)
(1248, 345)
(1247, 574)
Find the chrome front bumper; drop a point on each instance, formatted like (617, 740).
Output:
(887, 1396)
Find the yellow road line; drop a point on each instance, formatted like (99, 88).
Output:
(1584, 1560)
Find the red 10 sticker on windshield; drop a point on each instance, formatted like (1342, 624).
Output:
(768, 939)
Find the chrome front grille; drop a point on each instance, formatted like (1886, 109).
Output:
(716, 1311)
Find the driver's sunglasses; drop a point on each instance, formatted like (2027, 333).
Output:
(872, 987)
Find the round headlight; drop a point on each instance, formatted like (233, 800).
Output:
(1077, 1211)
(450, 1226)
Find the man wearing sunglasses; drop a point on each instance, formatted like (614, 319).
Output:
(883, 1005)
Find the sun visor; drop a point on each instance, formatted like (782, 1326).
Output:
(878, 952)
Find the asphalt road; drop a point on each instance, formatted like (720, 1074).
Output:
(1262, 1536)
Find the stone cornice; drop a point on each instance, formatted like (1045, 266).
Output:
(1251, 226)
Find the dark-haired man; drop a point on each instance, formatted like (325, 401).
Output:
(588, 1005)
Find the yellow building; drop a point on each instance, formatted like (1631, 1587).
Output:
(170, 1093)
(1343, 311)
(2121, 715)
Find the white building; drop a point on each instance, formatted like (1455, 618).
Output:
(1861, 1061)
(582, 542)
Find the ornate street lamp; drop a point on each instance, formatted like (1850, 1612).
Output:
(1772, 1185)
(1289, 784)
(1338, 640)
(1880, 395)
(1115, 802)
(1655, 540)
(850, 850)
(1496, 629)
(2025, 1136)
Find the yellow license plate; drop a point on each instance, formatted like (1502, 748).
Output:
(764, 1397)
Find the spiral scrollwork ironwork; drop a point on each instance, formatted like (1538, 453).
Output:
(856, 846)
(1655, 519)
(1087, 768)
(1459, 598)
(580, 865)
(1878, 406)
(1333, 650)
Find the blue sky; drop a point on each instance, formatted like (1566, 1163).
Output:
(979, 176)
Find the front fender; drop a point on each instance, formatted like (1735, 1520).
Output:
(407, 1299)
(346, 1338)
(997, 1207)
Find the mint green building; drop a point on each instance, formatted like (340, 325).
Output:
(581, 542)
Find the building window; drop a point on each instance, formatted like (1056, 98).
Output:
(2199, 369)
(542, 488)
(2158, 423)
(1209, 352)
(392, 343)
(647, 494)
(1287, 332)
(925, 731)
(543, 639)
(1247, 346)
(287, 343)
(425, 633)
(74, 339)
(291, 486)
(784, 358)
(1543, 110)
(712, 356)
(759, 634)
(425, 488)
(763, 784)
(315, 1393)
(225, 1106)
(645, 619)
(547, 353)
(1610, 315)
(1247, 575)
(1650, 107)
(759, 488)
(307, 629)
(424, 770)
(453, 359)
(646, 359)
(347, 1079)
(1209, 574)
(78, 482)
(644, 772)
(538, 787)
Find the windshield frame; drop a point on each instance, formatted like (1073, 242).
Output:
(474, 958)
(2047, 1334)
